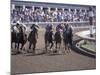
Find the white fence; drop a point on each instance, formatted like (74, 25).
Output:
(74, 24)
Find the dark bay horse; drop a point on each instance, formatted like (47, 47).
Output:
(18, 38)
(13, 38)
(67, 37)
(21, 38)
(57, 39)
(32, 38)
(48, 37)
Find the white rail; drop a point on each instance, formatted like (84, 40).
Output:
(74, 24)
(54, 22)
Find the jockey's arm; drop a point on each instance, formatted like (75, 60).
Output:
(37, 26)
(24, 27)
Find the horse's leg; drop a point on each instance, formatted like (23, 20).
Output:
(16, 41)
(59, 45)
(51, 44)
(45, 40)
(18, 45)
(15, 45)
(22, 46)
(30, 45)
(11, 45)
(56, 44)
(65, 45)
(34, 46)
(46, 45)
(68, 47)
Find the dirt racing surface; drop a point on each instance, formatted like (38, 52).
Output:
(45, 62)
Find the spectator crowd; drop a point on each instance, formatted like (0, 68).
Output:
(46, 15)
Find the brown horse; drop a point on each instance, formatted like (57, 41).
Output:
(57, 39)
(48, 37)
(67, 35)
(32, 38)
(18, 38)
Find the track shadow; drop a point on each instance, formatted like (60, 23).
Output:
(42, 52)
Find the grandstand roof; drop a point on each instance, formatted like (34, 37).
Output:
(52, 5)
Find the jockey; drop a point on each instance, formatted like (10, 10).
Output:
(67, 27)
(48, 28)
(59, 28)
(34, 26)
(24, 27)
(16, 28)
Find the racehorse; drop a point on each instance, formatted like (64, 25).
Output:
(18, 37)
(32, 38)
(48, 39)
(67, 37)
(57, 39)
(21, 38)
(13, 38)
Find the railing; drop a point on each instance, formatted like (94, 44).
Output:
(74, 24)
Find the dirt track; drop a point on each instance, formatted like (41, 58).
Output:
(43, 63)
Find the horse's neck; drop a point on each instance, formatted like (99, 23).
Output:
(51, 33)
(33, 32)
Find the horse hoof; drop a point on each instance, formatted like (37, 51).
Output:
(18, 52)
(29, 52)
(55, 51)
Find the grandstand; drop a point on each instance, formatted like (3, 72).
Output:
(43, 13)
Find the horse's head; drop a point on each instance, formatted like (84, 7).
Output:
(66, 26)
